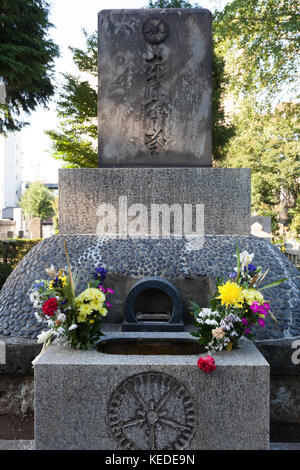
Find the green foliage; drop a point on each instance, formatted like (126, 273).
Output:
(37, 201)
(268, 142)
(87, 61)
(26, 59)
(258, 39)
(12, 252)
(76, 141)
(222, 130)
(295, 214)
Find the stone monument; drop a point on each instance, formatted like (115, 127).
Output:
(155, 88)
(154, 162)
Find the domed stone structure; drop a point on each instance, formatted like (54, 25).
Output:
(129, 260)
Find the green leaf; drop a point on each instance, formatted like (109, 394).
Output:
(194, 305)
(273, 317)
(280, 281)
(70, 274)
(238, 262)
(273, 284)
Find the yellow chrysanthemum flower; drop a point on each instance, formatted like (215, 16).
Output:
(252, 295)
(89, 300)
(103, 311)
(91, 294)
(96, 303)
(84, 311)
(231, 294)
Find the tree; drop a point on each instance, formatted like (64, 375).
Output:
(259, 41)
(76, 140)
(37, 201)
(26, 59)
(268, 143)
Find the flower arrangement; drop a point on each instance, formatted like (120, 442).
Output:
(237, 307)
(76, 320)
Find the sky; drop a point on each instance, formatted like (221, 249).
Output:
(69, 18)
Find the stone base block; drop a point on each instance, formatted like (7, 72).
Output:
(93, 400)
(224, 194)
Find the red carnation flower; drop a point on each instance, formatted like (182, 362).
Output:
(206, 363)
(50, 307)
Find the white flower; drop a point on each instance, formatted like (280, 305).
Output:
(34, 296)
(51, 271)
(207, 312)
(38, 317)
(73, 327)
(246, 258)
(61, 317)
(211, 322)
(44, 336)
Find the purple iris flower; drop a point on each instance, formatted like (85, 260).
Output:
(100, 273)
(38, 285)
(251, 268)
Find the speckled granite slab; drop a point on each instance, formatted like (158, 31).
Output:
(224, 193)
(92, 400)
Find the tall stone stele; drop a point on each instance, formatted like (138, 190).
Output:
(155, 88)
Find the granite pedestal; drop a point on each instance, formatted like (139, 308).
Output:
(224, 193)
(93, 400)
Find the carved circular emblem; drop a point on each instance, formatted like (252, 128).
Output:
(152, 410)
(155, 30)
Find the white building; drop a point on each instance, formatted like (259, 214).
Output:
(10, 174)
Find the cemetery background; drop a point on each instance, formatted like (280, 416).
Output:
(282, 399)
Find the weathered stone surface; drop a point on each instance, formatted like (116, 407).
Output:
(155, 88)
(193, 272)
(16, 445)
(19, 353)
(225, 194)
(283, 355)
(16, 395)
(170, 403)
(285, 399)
